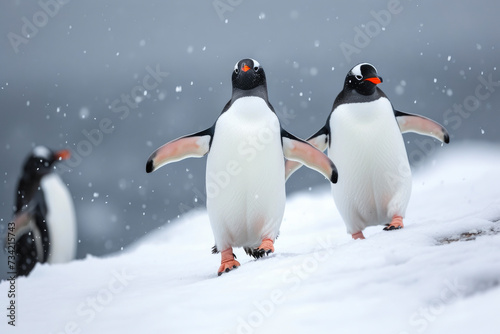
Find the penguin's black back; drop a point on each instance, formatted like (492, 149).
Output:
(26, 254)
(30, 197)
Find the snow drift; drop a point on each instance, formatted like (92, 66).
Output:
(441, 273)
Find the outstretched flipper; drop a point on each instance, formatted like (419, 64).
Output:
(319, 140)
(421, 125)
(302, 152)
(195, 145)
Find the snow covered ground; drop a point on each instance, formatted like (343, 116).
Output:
(426, 278)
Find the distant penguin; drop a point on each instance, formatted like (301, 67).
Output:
(44, 219)
(363, 135)
(245, 174)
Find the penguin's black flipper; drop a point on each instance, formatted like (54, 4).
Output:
(195, 145)
(31, 244)
(421, 125)
(301, 151)
(25, 219)
(26, 254)
(319, 140)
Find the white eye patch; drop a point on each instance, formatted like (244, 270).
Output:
(42, 152)
(255, 63)
(356, 70)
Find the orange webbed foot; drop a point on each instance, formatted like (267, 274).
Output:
(265, 248)
(396, 224)
(358, 235)
(227, 267)
(227, 262)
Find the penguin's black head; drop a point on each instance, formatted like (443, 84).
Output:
(363, 78)
(248, 74)
(41, 161)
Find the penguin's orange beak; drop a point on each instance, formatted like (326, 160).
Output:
(62, 155)
(245, 68)
(375, 80)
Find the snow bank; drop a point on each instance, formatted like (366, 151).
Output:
(423, 279)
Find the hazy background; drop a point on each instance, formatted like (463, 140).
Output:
(84, 55)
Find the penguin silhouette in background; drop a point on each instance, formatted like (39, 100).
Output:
(44, 218)
(363, 134)
(245, 174)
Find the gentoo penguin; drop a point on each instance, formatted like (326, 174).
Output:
(245, 173)
(44, 219)
(363, 133)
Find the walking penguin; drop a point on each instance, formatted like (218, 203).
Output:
(245, 174)
(363, 134)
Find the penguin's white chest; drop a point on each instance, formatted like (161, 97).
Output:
(374, 173)
(61, 221)
(245, 175)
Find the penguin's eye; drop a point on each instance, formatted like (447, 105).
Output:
(256, 68)
(359, 77)
(236, 71)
